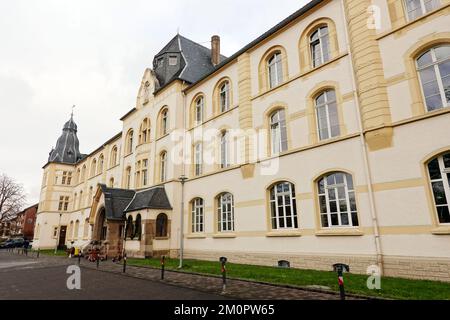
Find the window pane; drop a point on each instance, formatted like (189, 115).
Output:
(425, 59)
(430, 5)
(331, 194)
(442, 52)
(334, 220)
(333, 206)
(351, 196)
(344, 219)
(321, 186)
(324, 220)
(355, 219)
(446, 158)
(343, 205)
(434, 102)
(443, 214)
(433, 169)
(444, 68)
(439, 193)
(325, 47)
(322, 204)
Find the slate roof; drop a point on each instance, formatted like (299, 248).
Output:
(67, 147)
(195, 61)
(153, 198)
(120, 201)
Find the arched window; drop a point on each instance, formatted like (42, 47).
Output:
(144, 133)
(144, 172)
(101, 161)
(320, 46)
(275, 69)
(83, 173)
(327, 115)
(417, 8)
(164, 122)
(93, 167)
(111, 182)
(225, 212)
(197, 223)
(137, 228)
(439, 174)
(161, 225)
(86, 229)
(163, 166)
(70, 231)
(129, 142)
(128, 177)
(283, 207)
(224, 96)
(278, 133)
(113, 160)
(90, 196)
(80, 203)
(433, 67)
(129, 229)
(337, 200)
(75, 198)
(224, 150)
(198, 111)
(198, 159)
(76, 230)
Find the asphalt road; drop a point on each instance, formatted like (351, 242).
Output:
(23, 278)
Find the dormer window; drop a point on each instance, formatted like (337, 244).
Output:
(160, 62)
(173, 60)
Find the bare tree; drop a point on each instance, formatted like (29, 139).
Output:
(12, 197)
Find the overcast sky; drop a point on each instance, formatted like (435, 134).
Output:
(56, 53)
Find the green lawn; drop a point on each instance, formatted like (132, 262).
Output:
(395, 288)
(51, 252)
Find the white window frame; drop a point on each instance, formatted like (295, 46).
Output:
(224, 96)
(198, 116)
(224, 150)
(423, 8)
(275, 70)
(276, 215)
(164, 121)
(334, 188)
(225, 217)
(197, 215)
(326, 104)
(445, 181)
(322, 37)
(163, 166)
(198, 159)
(277, 130)
(435, 64)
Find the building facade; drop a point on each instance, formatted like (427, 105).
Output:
(324, 140)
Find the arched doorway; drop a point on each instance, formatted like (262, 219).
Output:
(101, 226)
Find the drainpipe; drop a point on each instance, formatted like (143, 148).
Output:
(182, 179)
(364, 153)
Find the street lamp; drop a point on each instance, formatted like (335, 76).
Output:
(182, 179)
(58, 233)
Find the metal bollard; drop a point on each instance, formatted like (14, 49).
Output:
(38, 252)
(340, 268)
(163, 258)
(98, 262)
(124, 263)
(223, 269)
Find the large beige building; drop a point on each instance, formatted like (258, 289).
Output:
(326, 139)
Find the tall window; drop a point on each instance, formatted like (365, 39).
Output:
(80, 202)
(320, 46)
(278, 132)
(434, 71)
(144, 134)
(113, 160)
(224, 96)
(76, 230)
(128, 177)
(66, 178)
(129, 142)
(161, 225)
(198, 159)
(224, 150)
(93, 167)
(137, 179)
(86, 229)
(90, 196)
(164, 121)
(439, 173)
(225, 213)
(70, 231)
(275, 69)
(417, 8)
(75, 198)
(337, 200)
(101, 161)
(163, 166)
(144, 172)
(129, 228)
(111, 182)
(282, 206)
(198, 112)
(327, 116)
(63, 204)
(137, 227)
(197, 215)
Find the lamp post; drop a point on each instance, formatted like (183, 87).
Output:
(58, 233)
(182, 178)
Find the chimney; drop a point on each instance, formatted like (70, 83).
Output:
(215, 50)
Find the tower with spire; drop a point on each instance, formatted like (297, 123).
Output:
(67, 146)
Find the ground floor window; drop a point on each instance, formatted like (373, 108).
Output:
(225, 212)
(197, 215)
(161, 225)
(282, 206)
(337, 200)
(439, 173)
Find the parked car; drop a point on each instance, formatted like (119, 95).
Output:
(13, 243)
(7, 244)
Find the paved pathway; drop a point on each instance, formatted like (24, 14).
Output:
(237, 289)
